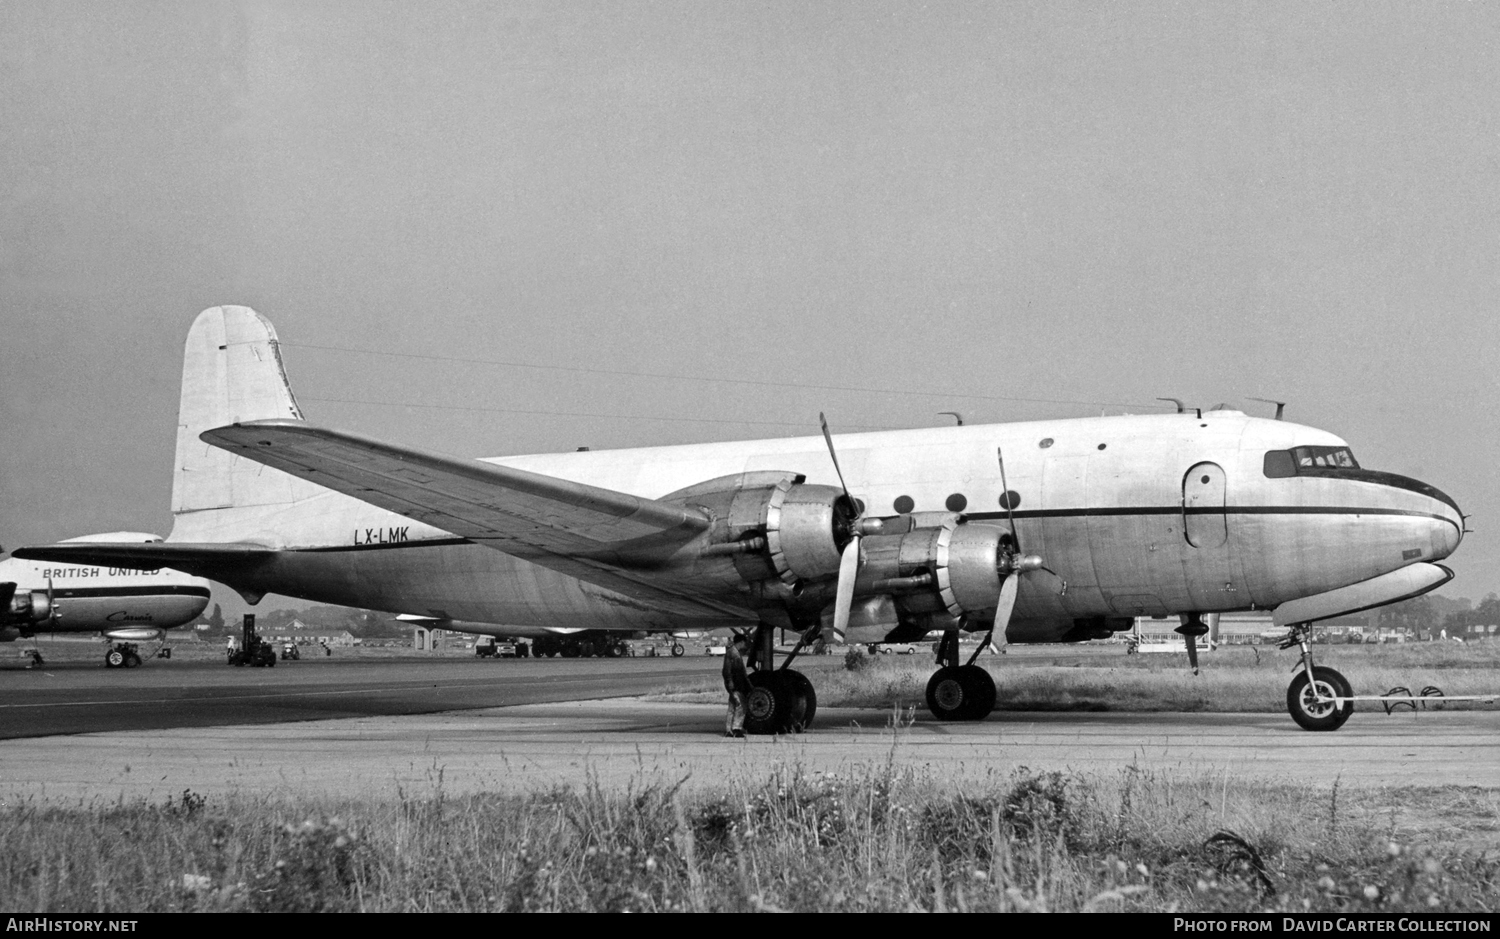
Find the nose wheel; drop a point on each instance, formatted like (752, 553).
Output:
(1318, 697)
(1310, 700)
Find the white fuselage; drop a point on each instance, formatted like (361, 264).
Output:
(90, 598)
(1144, 515)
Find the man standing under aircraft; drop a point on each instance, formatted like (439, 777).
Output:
(737, 683)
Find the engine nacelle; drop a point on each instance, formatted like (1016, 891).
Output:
(774, 525)
(806, 531)
(29, 608)
(956, 567)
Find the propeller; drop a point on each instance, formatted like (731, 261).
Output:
(849, 559)
(1013, 563)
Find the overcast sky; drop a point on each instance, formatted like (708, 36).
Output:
(467, 219)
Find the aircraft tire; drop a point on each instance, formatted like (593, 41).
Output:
(132, 660)
(804, 700)
(960, 693)
(114, 658)
(677, 650)
(981, 691)
(770, 707)
(1311, 715)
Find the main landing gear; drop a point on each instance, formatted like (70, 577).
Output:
(781, 700)
(959, 692)
(1318, 698)
(122, 655)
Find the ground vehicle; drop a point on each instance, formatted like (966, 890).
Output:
(290, 651)
(253, 650)
(490, 647)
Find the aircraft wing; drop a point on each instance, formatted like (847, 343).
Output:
(148, 555)
(603, 537)
(511, 510)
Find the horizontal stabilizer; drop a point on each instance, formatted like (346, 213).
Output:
(512, 510)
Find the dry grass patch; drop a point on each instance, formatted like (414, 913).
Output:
(885, 838)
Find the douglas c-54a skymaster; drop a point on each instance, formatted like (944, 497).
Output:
(1048, 531)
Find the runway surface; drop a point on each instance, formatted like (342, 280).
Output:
(75, 695)
(389, 728)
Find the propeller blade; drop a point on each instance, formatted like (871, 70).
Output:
(1007, 605)
(1010, 508)
(51, 603)
(828, 438)
(844, 596)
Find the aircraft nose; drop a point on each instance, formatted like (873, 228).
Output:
(1447, 520)
(1450, 530)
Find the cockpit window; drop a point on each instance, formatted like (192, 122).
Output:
(1282, 463)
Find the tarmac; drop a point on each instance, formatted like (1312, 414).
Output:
(631, 742)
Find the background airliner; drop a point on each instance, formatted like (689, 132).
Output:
(126, 605)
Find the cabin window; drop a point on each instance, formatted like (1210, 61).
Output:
(1280, 464)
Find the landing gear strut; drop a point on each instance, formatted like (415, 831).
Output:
(1311, 696)
(781, 700)
(959, 692)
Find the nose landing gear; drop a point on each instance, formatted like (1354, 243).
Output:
(1319, 698)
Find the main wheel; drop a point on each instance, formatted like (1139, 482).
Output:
(1311, 714)
(771, 705)
(132, 660)
(677, 650)
(804, 699)
(114, 658)
(981, 691)
(945, 694)
(960, 693)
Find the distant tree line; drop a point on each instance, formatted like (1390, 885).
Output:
(362, 624)
(1430, 613)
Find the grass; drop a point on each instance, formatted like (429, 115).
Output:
(1232, 678)
(882, 839)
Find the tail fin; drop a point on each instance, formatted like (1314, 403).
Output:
(231, 372)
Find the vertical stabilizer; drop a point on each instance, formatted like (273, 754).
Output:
(231, 372)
